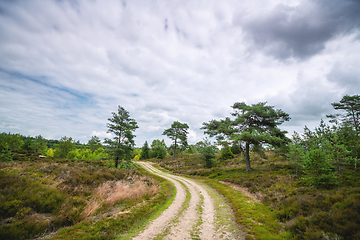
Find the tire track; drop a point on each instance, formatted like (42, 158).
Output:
(186, 219)
(159, 224)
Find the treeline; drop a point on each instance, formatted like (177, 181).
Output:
(66, 147)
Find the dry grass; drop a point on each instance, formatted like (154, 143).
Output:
(112, 192)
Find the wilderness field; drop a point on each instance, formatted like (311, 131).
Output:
(72, 199)
(75, 199)
(287, 203)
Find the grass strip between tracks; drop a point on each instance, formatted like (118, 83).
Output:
(184, 206)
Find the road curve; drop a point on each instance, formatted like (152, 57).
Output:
(192, 214)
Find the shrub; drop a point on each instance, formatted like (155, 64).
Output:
(235, 149)
(226, 153)
(208, 153)
(5, 155)
(319, 169)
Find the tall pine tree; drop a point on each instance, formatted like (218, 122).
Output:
(122, 126)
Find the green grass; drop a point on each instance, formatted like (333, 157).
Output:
(259, 220)
(294, 208)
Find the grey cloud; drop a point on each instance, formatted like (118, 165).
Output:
(300, 31)
(87, 60)
(346, 76)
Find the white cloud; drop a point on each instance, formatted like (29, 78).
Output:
(101, 134)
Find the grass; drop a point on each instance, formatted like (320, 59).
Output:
(257, 219)
(126, 225)
(195, 231)
(290, 207)
(224, 222)
(76, 199)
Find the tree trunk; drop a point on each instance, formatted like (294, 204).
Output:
(247, 157)
(116, 161)
(174, 149)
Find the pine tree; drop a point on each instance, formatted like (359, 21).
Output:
(177, 132)
(122, 126)
(254, 124)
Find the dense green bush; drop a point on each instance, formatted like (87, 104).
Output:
(208, 153)
(319, 169)
(226, 153)
(158, 149)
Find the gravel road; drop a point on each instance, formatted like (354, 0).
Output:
(197, 212)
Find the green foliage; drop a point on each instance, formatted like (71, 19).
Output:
(49, 152)
(39, 145)
(94, 143)
(53, 193)
(28, 144)
(158, 149)
(254, 124)
(136, 153)
(87, 154)
(177, 131)
(120, 147)
(19, 194)
(5, 155)
(145, 151)
(349, 138)
(319, 151)
(296, 152)
(319, 169)
(226, 152)
(208, 153)
(64, 147)
(51, 143)
(192, 149)
(13, 141)
(236, 148)
(259, 220)
(351, 106)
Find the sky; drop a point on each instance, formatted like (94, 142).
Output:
(65, 65)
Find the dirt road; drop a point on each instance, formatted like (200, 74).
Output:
(197, 212)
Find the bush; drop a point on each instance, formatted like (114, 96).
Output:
(208, 154)
(226, 153)
(5, 155)
(320, 170)
(235, 149)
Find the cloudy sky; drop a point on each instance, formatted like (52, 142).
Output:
(65, 65)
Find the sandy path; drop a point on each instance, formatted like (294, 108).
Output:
(161, 223)
(190, 216)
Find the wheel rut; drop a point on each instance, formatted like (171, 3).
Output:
(191, 215)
